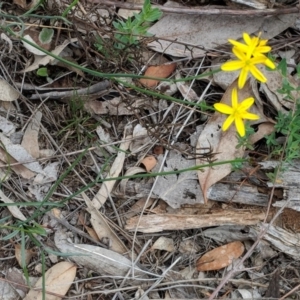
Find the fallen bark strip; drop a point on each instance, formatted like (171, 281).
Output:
(203, 10)
(157, 223)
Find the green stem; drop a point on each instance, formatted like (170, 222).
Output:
(65, 13)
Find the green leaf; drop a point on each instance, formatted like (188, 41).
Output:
(43, 72)
(46, 35)
(10, 236)
(282, 67)
(147, 5)
(36, 229)
(129, 31)
(153, 15)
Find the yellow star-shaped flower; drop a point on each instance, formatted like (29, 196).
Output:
(254, 46)
(249, 55)
(237, 113)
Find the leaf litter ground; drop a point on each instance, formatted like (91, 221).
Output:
(58, 146)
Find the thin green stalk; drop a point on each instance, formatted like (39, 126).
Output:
(43, 275)
(29, 204)
(66, 11)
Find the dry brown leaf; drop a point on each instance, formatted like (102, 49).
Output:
(116, 168)
(274, 84)
(19, 153)
(24, 4)
(18, 168)
(56, 212)
(7, 106)
(7, 92)
(140, 139)
(220, 257)
(89, 230)
(28, 255)
(32, 35)
(222, 143)
(264, 129)
(162, 71)
(21, 3)
(30, 138)
(102, 228)
(149, 163)
(138, 206)
(45, 60)
(17, 280)
(5, 38)
(160, 208)
(185, 89)
(58, 281)
(14, 210)
(163, 243)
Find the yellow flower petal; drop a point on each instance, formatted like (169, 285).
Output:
(249, 116)
(239, 45)
(257, 74)
(258, 59)
(269, 64)
(240, 126)
(234, 98)
(263, 43)
(247, 38)
(245, 104)
(239, 54)
(232, 65)
(243, 77)
(228, 122)
(252, 46)
(262, 49)
(223, 108)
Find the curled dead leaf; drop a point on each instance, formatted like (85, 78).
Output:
(220, 257)
(163, 243)
(58, 280)
(28, 253)
(149, 163)
(161, 71)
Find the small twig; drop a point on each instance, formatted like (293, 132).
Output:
(102, 86)
(297, 287)
(217, 10)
